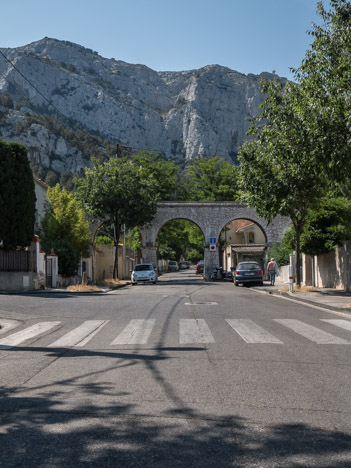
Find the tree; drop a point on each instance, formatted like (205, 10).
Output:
(65, 229)
(212, 180)
(326, 228)
(280, 170)
(164, 173)
(120, 191)
(17, 197)
(180, 239)
(324, 78)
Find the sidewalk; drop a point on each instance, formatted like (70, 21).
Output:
(334, 299)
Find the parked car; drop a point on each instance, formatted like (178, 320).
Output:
(248, 272)
(184, 265)
(144, 273)
(199, 268)
(173, 265)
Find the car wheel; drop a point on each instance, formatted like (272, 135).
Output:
(133, 284)
(236, 283)
(154, 282)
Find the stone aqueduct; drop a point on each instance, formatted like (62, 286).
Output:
(211, 218)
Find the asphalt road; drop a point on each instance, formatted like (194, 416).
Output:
(181, 374)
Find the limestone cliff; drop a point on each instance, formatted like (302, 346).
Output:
(178, 114)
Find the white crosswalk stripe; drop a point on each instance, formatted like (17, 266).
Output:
(251, 332)
(80, 335)
(311, 333)
(345, 324)
(194, 331)
(20, 337)
(136, 332)
(191, 331)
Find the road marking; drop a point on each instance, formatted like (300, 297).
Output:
(194, 331)
(6, 325)
(311, 333)
(201, 303)
(80, 335)
(24, 335)
(136, 332)
(251, 332)
(346, 324)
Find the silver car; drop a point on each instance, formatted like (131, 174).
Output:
(144, 273)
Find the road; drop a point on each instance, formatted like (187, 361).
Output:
(181, 374)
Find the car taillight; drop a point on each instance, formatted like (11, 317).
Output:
(260, 272)
(237, 272)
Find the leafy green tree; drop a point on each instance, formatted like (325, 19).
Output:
(180, 239)
(120, 191)
(103, 240)
(211, 180)
(17, 197)
(324, 79)
(65, 229)
(164, 173)
(326, 227)
(280, 171)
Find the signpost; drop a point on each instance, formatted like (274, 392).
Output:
(213, 242)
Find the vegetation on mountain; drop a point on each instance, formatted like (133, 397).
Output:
(17, 197)
(65, 229)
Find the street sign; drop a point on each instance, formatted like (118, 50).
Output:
(213, 240)
(212, 247)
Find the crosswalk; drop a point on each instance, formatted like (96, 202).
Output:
(190, 331)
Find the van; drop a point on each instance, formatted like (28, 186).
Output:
(172, 265)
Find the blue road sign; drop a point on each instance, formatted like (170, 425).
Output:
(213, 240)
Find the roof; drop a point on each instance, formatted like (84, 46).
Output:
(40, 182)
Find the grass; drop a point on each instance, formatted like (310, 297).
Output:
(83, 287)
(111, 283)
(299, 289)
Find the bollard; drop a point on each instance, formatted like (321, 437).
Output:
(291, 278)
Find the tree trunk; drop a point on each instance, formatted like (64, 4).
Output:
(116, 234)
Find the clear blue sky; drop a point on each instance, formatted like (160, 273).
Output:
(250, 36)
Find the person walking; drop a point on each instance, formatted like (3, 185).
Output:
(272, 269)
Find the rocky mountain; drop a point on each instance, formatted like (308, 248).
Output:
(177, 114)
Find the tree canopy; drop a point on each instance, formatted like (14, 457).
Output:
(17, 196)
(65, 229)
(124, 191)
(211, 179)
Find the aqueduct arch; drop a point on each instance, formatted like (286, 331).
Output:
(210, 217)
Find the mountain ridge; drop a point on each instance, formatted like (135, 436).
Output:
(178, 114)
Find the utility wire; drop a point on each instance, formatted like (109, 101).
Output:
(119, 145)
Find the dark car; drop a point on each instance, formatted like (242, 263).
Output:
(199, 268)
(248, 272)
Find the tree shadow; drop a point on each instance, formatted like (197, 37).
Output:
(42, 431)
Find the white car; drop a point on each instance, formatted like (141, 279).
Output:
(144, 273)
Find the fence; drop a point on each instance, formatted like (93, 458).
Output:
(17, 260)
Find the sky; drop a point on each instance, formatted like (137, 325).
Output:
(249, 36)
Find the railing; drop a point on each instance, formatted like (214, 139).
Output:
(17, 260)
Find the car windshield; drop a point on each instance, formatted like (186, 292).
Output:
(248, 266)
(143, 267)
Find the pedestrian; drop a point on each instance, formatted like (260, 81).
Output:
(272, 269)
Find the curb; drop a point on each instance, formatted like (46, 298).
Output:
(61, 291)
(346, 310)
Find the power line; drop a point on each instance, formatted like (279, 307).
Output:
(119, 145)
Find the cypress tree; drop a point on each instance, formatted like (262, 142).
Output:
(17, 196)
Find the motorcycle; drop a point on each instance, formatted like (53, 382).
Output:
(218, 274)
